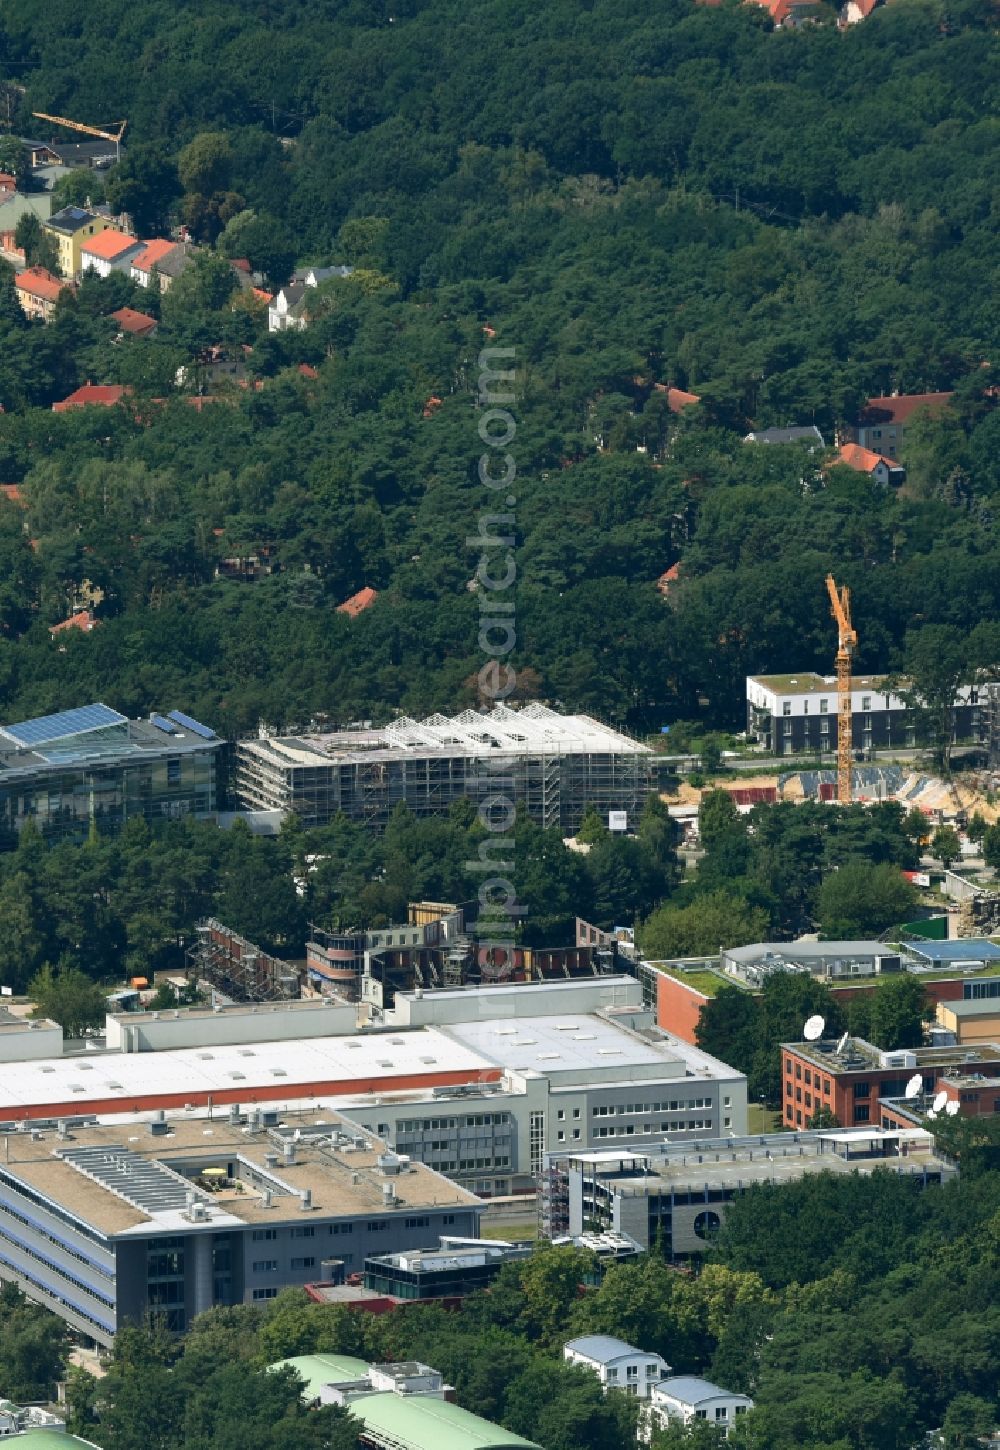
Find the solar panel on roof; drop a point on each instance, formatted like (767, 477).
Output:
(193, 725)
(144, 1182)
(167, 726)
(66, 722)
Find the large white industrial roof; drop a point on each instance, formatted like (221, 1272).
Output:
(131, 1076)
(581, 1042)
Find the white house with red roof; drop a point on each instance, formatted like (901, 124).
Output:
(145, 262)
(883, 470)
(110, 251)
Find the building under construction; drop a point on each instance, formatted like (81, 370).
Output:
(240, 969)
(551, 766)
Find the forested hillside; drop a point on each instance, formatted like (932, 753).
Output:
(782, 223)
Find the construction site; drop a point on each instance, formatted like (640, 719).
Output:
(547, 765)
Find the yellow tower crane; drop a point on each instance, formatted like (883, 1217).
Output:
(109, 134)
(840, 607)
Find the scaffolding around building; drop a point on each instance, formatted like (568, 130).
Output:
(550, 766)
(240, 969)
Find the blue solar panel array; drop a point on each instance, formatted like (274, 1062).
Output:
(194, 726)
(66, 722)
(167, 726)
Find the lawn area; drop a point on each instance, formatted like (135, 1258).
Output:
(762, 1120)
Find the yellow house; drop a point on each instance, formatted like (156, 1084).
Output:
(971, 1022)
(69, 229)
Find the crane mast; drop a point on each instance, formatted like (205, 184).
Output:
(847, 639)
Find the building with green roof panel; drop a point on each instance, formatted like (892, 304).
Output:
(42, 1439)
(321, 1369)
(420, 1422)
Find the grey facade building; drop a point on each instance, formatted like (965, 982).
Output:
(93, 765)
(551, 766)
(106, 1223)
(551, 1083)
(677, 1195)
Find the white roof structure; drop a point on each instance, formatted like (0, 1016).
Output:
(533, 730)
(583, 1043)
(690, 1390)
(138, 1079)
(602, 1348)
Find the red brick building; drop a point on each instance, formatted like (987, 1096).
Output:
(850, 1083)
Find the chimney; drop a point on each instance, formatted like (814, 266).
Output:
(289, 1153)
(234, 1115)
(388, 1193)
(306, 1200)
(271, 1160)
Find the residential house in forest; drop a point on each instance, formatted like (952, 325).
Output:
(687, 1398)
(287, 308)
(618, 1366)
(854, 12)
(92, 395)
(883, 470)
(134, 324)
(882, 423)
(810, 435)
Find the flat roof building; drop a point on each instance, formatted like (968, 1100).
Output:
(797, 712)
(479, 1085)
(830, 960)
(551, 766)
(966, 954)
(94, 765)
(848, 1077)
(677, 1194)
(106, 1223)
(970, 1022)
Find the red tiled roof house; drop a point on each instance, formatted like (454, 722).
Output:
(38, 292)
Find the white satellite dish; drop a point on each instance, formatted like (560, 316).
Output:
(931, 1113)
(842, 1043)
(913, 1086)
(813, 1028)
(952, 1109)
(939, 1101)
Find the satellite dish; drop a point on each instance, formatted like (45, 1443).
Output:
(951, 1109)
(939, 1101)
(931, 1113)
(842, 1043)
(813, 1028)
(913, 1086)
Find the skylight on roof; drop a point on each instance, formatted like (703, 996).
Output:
(66, 722)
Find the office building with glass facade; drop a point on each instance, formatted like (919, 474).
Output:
(93, 765)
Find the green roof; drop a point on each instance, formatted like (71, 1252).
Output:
(42, 1439)
(418, 1422)
(323, 1369)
